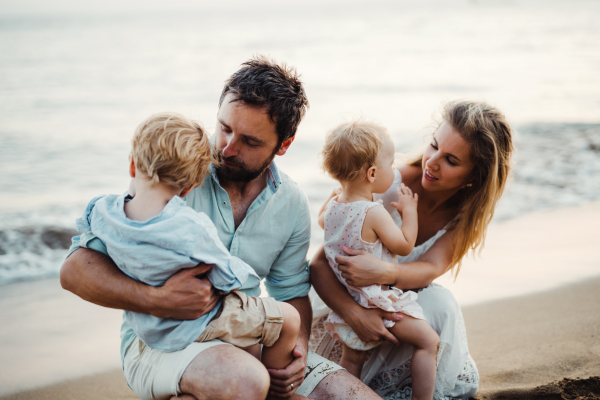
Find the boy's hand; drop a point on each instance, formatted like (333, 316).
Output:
(406, 199)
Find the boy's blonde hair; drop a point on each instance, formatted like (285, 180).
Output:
(352, 147)
(173, 149)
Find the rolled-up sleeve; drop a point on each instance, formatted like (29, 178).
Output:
(289, 275)
(89, 241)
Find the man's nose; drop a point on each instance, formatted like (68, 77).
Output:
(230, 148)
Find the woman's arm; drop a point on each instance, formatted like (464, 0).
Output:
(363, 269)
(94, 277)
(367, 323)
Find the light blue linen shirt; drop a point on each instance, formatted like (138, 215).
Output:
(273, 238)
(152, 251)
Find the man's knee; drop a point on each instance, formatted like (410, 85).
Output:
(225, 372)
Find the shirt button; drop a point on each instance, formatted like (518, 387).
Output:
(224, 203)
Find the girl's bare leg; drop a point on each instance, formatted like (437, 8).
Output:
(420, 334)
(279, 355)
(353, 360)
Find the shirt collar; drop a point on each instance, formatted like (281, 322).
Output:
(273, 178)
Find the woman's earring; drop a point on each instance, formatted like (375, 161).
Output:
(468, 185)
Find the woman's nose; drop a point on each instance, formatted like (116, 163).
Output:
(433, 162)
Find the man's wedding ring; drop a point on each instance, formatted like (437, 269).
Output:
(292, 386)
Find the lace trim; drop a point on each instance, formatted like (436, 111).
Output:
(395, 383)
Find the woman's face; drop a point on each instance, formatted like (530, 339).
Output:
(446, 161)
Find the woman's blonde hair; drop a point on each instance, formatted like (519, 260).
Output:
(173, 149)
(350, 148)
(486, 130)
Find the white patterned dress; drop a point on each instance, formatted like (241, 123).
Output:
(343, 227)
(387, 369)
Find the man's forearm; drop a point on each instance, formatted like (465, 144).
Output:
(95, 278)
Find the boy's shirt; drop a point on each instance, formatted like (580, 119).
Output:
(152, 251)
(273, 238)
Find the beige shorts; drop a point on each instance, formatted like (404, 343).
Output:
(245, 321)
(155, 375)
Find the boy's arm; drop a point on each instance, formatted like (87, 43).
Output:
(94, 277)
(399, 241)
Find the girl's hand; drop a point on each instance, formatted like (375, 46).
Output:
(406, 199)
(367, 323)
(362, 268)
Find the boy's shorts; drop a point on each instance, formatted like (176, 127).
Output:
(245, 321)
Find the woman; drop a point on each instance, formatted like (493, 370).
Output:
(459, 178)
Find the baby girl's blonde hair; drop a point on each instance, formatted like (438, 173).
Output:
(173, 149)
(350, 148)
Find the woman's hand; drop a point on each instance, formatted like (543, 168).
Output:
(367, 323)
(363, 268)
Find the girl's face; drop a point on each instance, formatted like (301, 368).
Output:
(385, 166)
(446, 161)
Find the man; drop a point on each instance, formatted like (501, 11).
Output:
(263, 218)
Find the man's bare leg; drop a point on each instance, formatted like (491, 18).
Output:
(224, 372)
(341, 385)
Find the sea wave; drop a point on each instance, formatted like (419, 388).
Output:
(555, 165)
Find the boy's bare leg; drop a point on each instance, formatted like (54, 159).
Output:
(353, 360)
(420, 334)
(279, 355)
(224, 372)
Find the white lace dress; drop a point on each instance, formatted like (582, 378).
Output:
(387, 369)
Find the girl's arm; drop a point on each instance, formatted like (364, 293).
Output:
(336, 192)
(399, 240)
(360, 268)
(366, 322)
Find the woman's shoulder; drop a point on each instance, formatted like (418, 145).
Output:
(409, 173)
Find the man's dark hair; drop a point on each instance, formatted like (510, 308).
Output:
(263, 83)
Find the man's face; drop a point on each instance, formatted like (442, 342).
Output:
(245, 141)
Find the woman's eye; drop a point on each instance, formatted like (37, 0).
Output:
(434, 146)
(450, 161)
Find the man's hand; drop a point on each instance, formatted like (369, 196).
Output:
(184, 296)
(281, 379)
(367, 323)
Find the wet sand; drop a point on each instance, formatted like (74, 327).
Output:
(55, 346)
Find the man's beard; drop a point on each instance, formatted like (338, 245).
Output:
(242, 173)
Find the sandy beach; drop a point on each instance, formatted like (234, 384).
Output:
(56, 346)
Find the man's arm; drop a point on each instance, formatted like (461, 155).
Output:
(94, 277)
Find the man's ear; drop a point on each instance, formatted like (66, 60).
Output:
(131, 167)
(285, 146)
(371, 172)
(185, 191)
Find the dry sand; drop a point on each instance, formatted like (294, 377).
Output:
(525, 347)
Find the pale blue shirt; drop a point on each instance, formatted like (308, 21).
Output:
(273, 238)
(152, 251)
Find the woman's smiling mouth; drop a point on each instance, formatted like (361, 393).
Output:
(429, 177)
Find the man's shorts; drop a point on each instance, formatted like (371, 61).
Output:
(154, 374)
(245, 321)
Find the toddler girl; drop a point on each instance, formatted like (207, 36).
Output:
(360, 155)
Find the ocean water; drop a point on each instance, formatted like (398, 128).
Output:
(75, 81)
